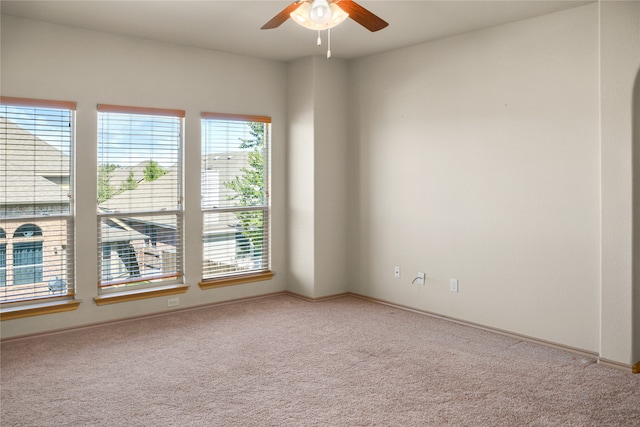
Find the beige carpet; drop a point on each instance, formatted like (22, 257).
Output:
(283, 361)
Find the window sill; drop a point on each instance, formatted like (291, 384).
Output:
(236, 280)
(49, 307)
(138, 294)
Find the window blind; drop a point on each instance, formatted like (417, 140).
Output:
(139, 196)
(36, 199)
(235, 195)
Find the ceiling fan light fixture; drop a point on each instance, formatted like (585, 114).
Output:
(320, 12)
(323, 17)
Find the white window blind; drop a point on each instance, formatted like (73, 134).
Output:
(36, 199)
(235, 195)
(139, 196)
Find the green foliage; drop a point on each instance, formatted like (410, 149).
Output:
(153, 171)
(129, 184)
(257, 136)
(105, 189)
(249, 187)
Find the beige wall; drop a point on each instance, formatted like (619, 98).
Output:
(620, 61)
(55, 62)
(479, 160)
(317, 176)
(300, 178)
(331, 175)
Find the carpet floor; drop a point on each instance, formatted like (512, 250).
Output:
(284, 361)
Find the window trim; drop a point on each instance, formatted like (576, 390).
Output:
(49, 307)
(124, 109)
(236, 117)
(139, 293)
(38, 103)
(232, 280)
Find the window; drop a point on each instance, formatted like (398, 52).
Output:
(139, 197)
(235, 196)
(3, 258)
(27, 255)
(36, 198)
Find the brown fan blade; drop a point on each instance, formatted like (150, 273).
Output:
(281, 17)
(361, 15)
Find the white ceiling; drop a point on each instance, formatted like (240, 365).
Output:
(234, 26)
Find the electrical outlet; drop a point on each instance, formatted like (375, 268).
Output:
(396, 272)
(454, 285)
(420, 278)
(173, 302)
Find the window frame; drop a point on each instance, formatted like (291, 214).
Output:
(144, 287)
(265, 273)
(23, 306)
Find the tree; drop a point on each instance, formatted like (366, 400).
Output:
(249, 188)
(128, 184)
(105, 189)
(153, 171)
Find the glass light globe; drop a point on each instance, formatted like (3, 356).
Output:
(320, 12)
(302, 17)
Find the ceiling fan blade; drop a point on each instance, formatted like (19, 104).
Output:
(361, 15)
(281, 17)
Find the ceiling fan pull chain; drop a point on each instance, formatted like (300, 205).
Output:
(329, 43)
(319, 39)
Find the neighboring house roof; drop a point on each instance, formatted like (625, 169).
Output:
(163, 192)
(121, 174)
(160, 194)
(31, 168)
(24, 188)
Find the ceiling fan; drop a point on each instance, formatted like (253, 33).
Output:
(324, 15)
(320, 12)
